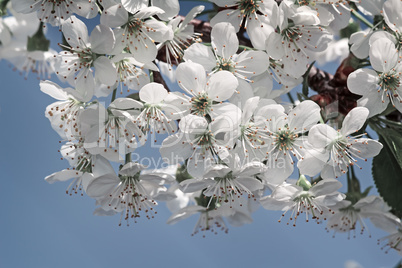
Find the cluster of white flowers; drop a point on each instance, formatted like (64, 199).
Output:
(229, 142)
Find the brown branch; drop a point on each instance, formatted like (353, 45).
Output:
(331, 88)
(159, 79)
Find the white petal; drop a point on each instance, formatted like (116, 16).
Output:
(191, 15)
(221, 86)
(75, 32)
(175, 149)
(258, 29)
(331, 171)
(274, 46)
(280, 167)
(227, 109)
(354, 120)
(244, 92)
(201, 54)
(63, 175)
(325, 187)
(153, 93)
(131, 168)
(106, 72)
(217, 171)
(271, 203)
(362, 80)
(101, 166)
(159, 32)
(143, 48)
(304, 116)
(102, 185)
(224, 40)
(232, 16)
(251, 184)
(147, 12)
(85, 84)
(365, 148)
(193, 185)
(313, 162)
(86, 179)
(383, 55)
(184, 213)
(191, 77)
(321, 135)
(225, 3)
(193, 124)
(360, 44)
(374, 101)
(251, 63)
(134, 6)
(249, 108)
(54, 90)
(114, 16)
(199, 163)
(392, 14)
(102, 39)
(125, 104)
(171, 8)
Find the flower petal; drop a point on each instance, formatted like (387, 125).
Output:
(304, 116)
(321, 135)
(354, 120)
(153, 93)
(383, 55)
(221, 86)
(224, 40)
(105, 71)
(362, 81)
(191, 77)
(102, 39)
(102, 185)
(200, 54)
(75, 32)
(63, 175)
(325, 187)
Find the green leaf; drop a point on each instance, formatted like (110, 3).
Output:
(305, 79)
(3, 7)
(134, 96)
(182, 174)
(349, 30)
(387, 175)
(301, 97)
(393, 139)
(38, 41)
(366, 192)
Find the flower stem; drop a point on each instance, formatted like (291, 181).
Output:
(114, 95)
(151, 76)
(291, 98)
(128, 158)
(362, 19)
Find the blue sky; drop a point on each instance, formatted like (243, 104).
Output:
(41, 226)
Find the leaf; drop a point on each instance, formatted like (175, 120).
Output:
(38, 41)
(305, 79)
(387, 175)
(301, 97)
(393, 139)
(349, 30)
(3, 7)
(366, 192)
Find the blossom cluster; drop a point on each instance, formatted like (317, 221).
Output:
(228, 140)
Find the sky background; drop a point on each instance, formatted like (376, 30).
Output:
(41, 226)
